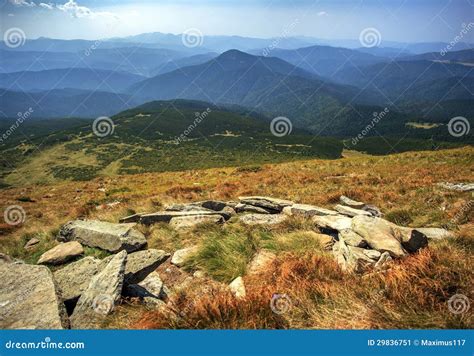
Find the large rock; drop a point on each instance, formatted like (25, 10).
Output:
(379, 234)
(271, 204)
(214, 205)
(104, 235)
(412, 239)
(345, 210)
(62, 253)
(180, 256)
(354, 258)
(433, 233)
(351, 203)
(186, 222)
(333, 222)
(246, 208)
(262, 219)
(261, 261)
(29, 298)
(103, 293)
(74, 279)
(307, 210)
(166, 216)
(237, 288)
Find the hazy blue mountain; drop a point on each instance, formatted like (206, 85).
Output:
(387, 52)
(326, 61)
(137, 60)
(74, 78)
(184, 62)
(64, 103)
(464, 56)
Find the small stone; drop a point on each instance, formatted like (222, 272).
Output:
(61, 253)
(345, 210)
(351, 203)
(237, 288)
(31, 244)
(180, 256)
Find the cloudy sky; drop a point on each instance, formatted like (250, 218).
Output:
(397, 20)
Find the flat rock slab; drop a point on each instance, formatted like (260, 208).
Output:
(131, 218)
(246, 208)
(62, 253)
(29, 298)
(348, 211)
(308, 210)
(333, 222)
(458, 187)
(262, 219)
(379, 235)
(104, 235)
(181, 256)
(103, 293)
(433, 233)
(166, 216)
(74, 279)
(269, 203)
(186, 222)
(351, 203)
(261, 261)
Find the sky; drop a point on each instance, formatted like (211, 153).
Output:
(396, 20)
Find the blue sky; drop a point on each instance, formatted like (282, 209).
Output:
(396, 20)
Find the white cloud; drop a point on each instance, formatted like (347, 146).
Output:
(322, 13)
(23, 3)
(46, 6)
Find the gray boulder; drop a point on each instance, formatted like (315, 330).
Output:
(271, 204)
(181, 256)
(263, 219)
(74, 279)
(166, 216)
(352, 239)
(104, 235)
(379, 235)
(351, 203)
(29, 298)
(102, 294)
(62, 253)
(150, 290)
(345, 210)
(433, 233)
(186, 222)
(333, 222)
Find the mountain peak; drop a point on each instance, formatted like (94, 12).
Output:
(235, 54)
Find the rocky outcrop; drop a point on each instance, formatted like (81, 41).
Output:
(104, 235)
(29, 298)
(74, 279)
(62, 253)
(307, 210)
(263, 219)
(237, 288)
(102, 294)
(180, 256)
(187, 222)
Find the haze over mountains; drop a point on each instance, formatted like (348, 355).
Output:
(326, 89)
